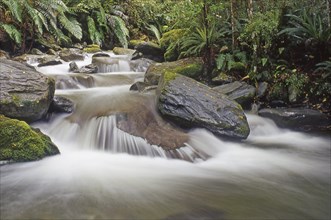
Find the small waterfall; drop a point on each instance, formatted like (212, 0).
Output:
(101, 133)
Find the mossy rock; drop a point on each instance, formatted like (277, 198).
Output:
(190, 67)
(123, 51)
(20, 142)
(133, 43)
(92, 48)
(169, 43)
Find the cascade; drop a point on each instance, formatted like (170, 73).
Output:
(104, 172)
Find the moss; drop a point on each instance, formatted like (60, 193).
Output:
(134, 43)
(192, 70)
(170, 37)
(169, 75)
(92, 48)
(20, 142)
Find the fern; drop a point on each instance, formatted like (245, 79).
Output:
(13, 33)
(14, 8)
(120, 30)
(94, 34)
(155, 31)
(71, 25)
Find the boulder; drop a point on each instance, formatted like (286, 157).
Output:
(100, 55)
(191, 67)
(48, 60)
(36, 51)
(123, 51)
(262, 89)
(61, 105)
(4, 54)
(25, 94)
(73, 67)
(20, 142)
(301, 119)
(150, 51)
(92, 48)
(169, 43)
(222, 78)
(71, 54)
(241, 92)
(88, 69)
(138, 86)
(133, 43)
(191, 104)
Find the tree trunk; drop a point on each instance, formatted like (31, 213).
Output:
(233, 24)
(328, 11)
(250, 9)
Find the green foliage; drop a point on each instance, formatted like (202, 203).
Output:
(13, 33)
(231, 61)
(120, 30)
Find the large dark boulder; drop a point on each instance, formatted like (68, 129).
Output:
(241, 92)
(20, 142)
(62, 105)
(300, 119)
(191, 104)
(150, 50)
(24, 93)
(191, 67)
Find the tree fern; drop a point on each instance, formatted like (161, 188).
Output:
(12, 32)
(155, 31)
(120, 30)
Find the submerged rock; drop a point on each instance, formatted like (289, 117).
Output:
(25, 94)
(62, 105)
(191, 104)
(191, 67)
(241, 92)
(20, 142)
(298, 118)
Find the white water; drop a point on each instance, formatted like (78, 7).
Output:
(274, 174)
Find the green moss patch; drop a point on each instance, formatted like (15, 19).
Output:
(20, 142)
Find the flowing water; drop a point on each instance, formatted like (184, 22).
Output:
(106, 173)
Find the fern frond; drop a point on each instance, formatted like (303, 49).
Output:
(120, 30)
(155, 31)
(71, 25)
(13, 33)
(94, 34)
(14, 8)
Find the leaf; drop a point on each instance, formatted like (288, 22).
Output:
(264, 61)
(120, 30)
(71, 25)
(13, 33)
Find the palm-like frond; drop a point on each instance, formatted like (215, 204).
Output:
(13, 33)
(155, 31)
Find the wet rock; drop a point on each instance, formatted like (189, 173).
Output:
(100, 55)
(222, 78)
(150, 51)
(36, 51)
(4, 54)
(51, 52)
(298, 118)
(140, 65)
(191, 67)
(25, 94)
(262, 89)
(92, 48)
(138, 86)
(191, 104)
(143, 121)
(241, 92)
(62, 105)
(88, 69)
(48, 60)
(20, 142)
(73, 67)
(123, 51)
(71, 54)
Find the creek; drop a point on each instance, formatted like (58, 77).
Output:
(106, 173)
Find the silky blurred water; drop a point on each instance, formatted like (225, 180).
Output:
(105, 173)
